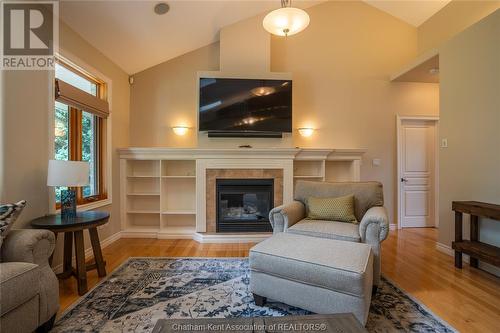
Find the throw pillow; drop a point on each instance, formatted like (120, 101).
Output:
(8, 215)
(333, 209)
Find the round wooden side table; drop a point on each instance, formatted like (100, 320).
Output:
(72, 228)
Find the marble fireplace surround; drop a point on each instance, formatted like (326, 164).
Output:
(280, 168)
(213, 174)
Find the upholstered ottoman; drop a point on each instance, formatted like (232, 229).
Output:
(320, 275)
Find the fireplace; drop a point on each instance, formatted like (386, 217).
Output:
(243, 205)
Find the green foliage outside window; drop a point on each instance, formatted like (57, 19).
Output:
(89, 150)
(61, 144)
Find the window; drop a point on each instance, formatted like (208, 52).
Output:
(80, 126)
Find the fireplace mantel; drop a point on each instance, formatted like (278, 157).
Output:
(244, 153)
(164, 190)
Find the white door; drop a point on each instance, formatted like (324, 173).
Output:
(417, 167)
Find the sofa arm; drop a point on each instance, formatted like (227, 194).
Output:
(28, 245)
(284, 216)
(374, 226)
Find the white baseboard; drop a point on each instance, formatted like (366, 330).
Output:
(198, 236)
(89, 254)
(173, 236)
(393, 226)
(138, 234)
(449, 251)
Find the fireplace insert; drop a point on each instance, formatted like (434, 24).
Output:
(243, 205)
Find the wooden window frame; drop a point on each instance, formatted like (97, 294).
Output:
(101, 85)
(75, 140)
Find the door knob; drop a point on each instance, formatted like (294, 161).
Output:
(404, 180)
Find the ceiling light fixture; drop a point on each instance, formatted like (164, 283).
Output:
(161, 8)
(286, 21)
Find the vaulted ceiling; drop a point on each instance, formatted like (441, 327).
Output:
(414, 12)
(135, 38)
(129, 33)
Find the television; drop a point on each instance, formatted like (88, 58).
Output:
(245, 107)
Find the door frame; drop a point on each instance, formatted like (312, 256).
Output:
(399, 122)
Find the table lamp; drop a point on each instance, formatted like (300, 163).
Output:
(69, 174)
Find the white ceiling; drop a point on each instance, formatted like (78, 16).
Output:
(129, 33)
(414, 12)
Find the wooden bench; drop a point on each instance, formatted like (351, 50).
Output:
(473, 247)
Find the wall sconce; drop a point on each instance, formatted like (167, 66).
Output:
(180, 130)
(306, 131)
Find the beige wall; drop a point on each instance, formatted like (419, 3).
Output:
(25, 131)
(452, 19)
(470, 116)
(25, 103)
(340, 65)
(165, 95)
(2, 134)
(253, 55)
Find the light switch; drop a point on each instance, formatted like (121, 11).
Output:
(376, 162)
(444, 143)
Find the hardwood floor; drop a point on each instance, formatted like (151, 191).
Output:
(468, 299)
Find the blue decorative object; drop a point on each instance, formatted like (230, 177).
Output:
(143, 290)
(68, 203)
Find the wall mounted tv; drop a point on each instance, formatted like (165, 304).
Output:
(245, 107)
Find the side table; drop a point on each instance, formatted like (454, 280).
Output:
(73, 229)
(476, 249)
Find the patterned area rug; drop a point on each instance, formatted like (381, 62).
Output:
(143, 290)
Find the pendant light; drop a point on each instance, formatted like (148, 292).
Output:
(286, 21)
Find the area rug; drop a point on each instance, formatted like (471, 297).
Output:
(143, 290)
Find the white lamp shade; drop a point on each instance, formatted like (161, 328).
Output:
(68, 173)
(286, 21)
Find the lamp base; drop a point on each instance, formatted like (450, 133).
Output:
(68, 204)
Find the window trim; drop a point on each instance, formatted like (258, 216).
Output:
(75, 153)
(87, 70)
(75, 137)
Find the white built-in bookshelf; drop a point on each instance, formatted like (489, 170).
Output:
(163, 190)
(325, 170)
(161, 197)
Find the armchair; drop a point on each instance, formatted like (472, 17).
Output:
(372, 229)
(28, 287)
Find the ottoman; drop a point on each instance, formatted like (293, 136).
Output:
(316, 274)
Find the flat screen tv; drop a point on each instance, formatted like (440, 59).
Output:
(245, 107)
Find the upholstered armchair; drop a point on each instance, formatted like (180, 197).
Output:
(373, 226)
(29, 290)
